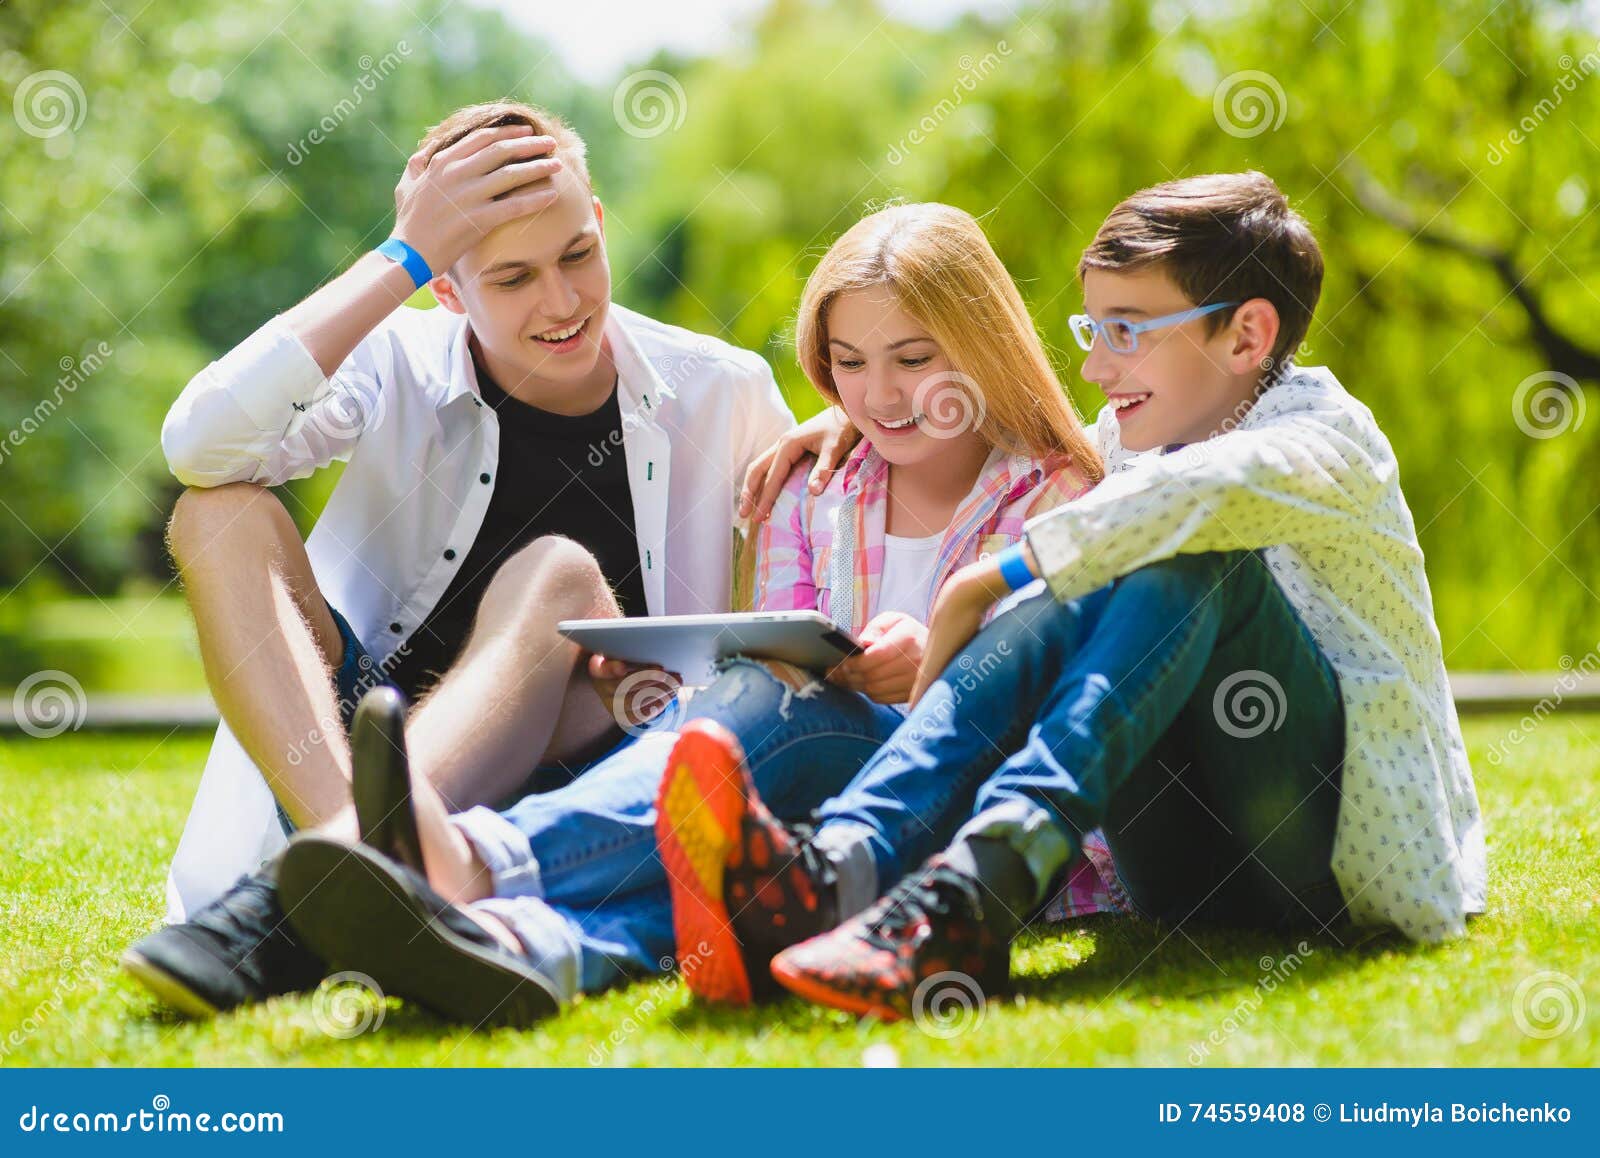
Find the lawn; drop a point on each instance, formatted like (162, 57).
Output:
(88, 822)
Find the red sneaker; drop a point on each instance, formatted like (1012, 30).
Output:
(743, 884)
(916, 951)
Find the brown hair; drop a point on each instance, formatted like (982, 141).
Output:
(1221, 237)
(937, 262)
(569, 146)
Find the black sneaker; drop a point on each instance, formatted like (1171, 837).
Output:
(366, 912)
(381, 777)
(919, 951)
(237, 950)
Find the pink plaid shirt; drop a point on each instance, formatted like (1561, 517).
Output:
(799, 569)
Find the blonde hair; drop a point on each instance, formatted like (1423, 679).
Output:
(569, 146)
(940, 266)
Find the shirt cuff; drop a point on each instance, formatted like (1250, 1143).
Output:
(267, 373)
(1056, 550)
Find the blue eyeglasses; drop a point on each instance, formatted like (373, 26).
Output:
(1122, 336)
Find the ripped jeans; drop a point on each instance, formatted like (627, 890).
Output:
(588, 849)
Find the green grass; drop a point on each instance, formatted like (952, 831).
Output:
(87, 824)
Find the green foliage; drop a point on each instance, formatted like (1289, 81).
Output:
(191, 203)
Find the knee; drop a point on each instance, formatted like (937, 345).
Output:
(203, 516)
(1193, 577)
(552, 573)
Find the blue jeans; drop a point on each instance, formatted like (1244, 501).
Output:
(588, 849)
(1184, 709)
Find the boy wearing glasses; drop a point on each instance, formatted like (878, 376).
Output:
(1234, 673)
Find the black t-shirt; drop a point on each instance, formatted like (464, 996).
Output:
(548, 483)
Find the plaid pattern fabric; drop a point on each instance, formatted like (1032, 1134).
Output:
(796, 570)
(795, 565)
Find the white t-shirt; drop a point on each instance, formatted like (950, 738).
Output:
(907, 582)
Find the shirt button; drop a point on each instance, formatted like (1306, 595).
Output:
(394, 627)
(483, 478)
(449, 554)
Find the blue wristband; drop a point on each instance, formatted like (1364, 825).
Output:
(402, 254)
(1014, 568)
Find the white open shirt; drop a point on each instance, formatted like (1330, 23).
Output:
(422, 450)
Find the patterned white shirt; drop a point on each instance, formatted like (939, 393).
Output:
(1308, 479)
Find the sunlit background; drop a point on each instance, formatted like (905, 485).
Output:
(173, 173)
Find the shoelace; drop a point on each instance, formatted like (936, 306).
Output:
(937, 893)
(249, 909)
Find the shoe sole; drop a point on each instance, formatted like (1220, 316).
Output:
(166, 987)
(353, 910)
(385, 816)
(801, 985)
(698, 812)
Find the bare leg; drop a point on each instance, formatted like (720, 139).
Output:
(267, 641)
(516, 695)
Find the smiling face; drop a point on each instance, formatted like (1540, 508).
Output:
(537, 291)
(1183, 383)
(893, 380)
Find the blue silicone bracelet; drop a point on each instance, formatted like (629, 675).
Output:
(1014, 568)
(402, 254)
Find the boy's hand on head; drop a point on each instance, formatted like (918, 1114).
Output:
(444, 207)
(957, 615)
(887, 668)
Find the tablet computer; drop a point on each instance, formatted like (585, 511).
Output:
(692, 644)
